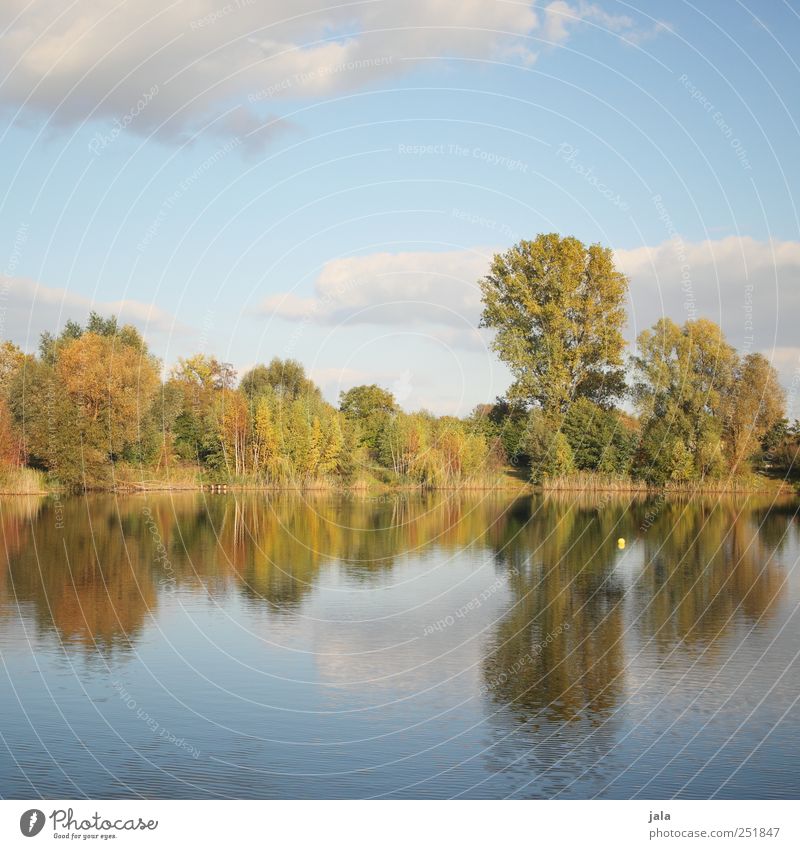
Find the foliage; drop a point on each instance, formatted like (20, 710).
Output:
(549, 450)
(599, 438)
(11, 360)
(558, 307)
(371, 409)
(11, 449)
(284, 378)
(93, 400)
(704, 409)
(80, 407)
(756, 407)
(504, 422)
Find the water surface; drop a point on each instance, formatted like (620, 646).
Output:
(193, 646)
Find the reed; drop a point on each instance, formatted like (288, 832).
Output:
(20, 480)
(592, 482)
(129, 478)
(596, 482)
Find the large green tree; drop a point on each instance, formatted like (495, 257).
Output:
(285, 378)
(198, 381)
(704, 408)
(371, 408)
(683, 379)
(548, 449)
(599, 438)
(558, 309)
(756, 407)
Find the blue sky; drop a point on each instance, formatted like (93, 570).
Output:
(257, 179)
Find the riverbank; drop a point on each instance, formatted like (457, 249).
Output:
(511, 480)
(750, 484)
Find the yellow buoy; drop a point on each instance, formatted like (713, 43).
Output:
(620, 543)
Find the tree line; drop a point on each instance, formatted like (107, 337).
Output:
(90, 410)
(703, 411)
(91, 407)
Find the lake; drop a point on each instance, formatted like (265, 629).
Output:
(196, 645)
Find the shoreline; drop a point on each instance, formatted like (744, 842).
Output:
(518, 487)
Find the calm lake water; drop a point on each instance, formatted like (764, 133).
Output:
(264, 646)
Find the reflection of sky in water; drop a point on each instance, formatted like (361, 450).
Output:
(424, 646)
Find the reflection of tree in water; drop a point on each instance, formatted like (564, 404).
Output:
(561, 632)
(554, 669)
(705, 563)
(555, 666)
(99, 594)
(16, 516)
(278, 544)
(558, 552)
(709, 565)
(123, 552)
(776, 522)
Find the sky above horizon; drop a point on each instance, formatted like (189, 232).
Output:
(329, 182)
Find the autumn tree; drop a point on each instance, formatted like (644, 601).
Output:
(756, 407)
(81, 407)
(558, 309)
(112, 384)
(503, 425)
(265, 444)
(200, 380)
(600, 439)
(12, 362)
(157, 446)
(549, 450)
(11, 453)
(201, 373)
(287, 379)
(332, 447)
(704, 409)
(232, 424)
(402, 442)
(370, 408)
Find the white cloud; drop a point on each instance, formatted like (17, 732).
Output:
(750, 287)
(419, 288)
(73, 63)
(561, 18)
(30, 309)
(413, 389)
(786, 360)
(79, 62)
(331, 377)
